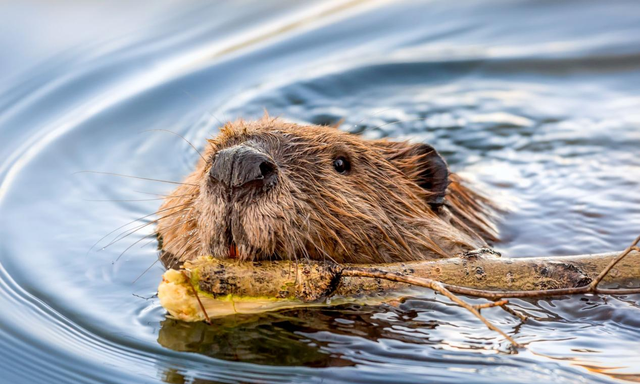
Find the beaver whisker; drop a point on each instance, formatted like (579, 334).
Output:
(145, 271)
(161, 195)
(154, 263)
(132, 245)
(132, 231)
(132, 200)
(149, 242)
(139, 240)
(118, 238)
(135, 177)
(180, 136)
(124, 225)
(121, 200)
(178, 254)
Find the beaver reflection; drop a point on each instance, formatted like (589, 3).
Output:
(274, 190)
(289, 337)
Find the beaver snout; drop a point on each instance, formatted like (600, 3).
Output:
(242, 166)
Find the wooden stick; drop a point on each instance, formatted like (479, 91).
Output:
(428, 283)
(448, 290)
(478, 274)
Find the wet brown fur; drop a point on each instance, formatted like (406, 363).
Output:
(376, 213)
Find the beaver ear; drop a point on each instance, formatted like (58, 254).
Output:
(420, 163)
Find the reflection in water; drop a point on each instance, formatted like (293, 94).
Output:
(422, 332)
(536, 103)
(297, 335)
(249, 340)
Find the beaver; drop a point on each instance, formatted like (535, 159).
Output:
(271, 189)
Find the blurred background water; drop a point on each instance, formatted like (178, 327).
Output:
(537, 103)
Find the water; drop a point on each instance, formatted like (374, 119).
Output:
(537, 103)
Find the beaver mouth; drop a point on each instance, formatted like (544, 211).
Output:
(233, 250)
(234, 253)
(235, 243)
(249, 253)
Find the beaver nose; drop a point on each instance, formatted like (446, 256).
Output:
(243, 166)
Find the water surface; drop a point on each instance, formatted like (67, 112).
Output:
(536, 103)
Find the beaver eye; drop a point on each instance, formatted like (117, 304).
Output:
(341, 165)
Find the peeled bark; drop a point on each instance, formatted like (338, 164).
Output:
(227, 286)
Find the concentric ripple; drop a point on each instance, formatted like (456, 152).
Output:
(537, 109)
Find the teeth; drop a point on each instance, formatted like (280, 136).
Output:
(233, 251)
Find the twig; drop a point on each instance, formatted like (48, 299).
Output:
(195, 293)
(499, 303)
(496, 295)
(450, 290)
(596, 281)
(427, 283)
(515, 313)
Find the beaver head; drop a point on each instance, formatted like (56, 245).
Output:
(275, 190)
